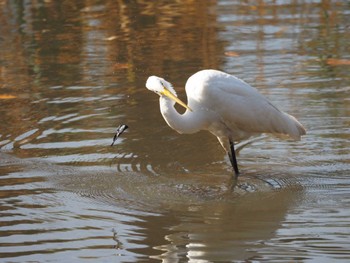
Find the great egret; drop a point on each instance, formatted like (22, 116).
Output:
(224, 105)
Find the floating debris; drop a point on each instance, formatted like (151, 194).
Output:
(121, 128)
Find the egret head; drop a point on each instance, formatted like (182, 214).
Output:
(163, 89)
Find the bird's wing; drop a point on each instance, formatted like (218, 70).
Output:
(242, 108)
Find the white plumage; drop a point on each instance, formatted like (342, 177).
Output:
(226, 106)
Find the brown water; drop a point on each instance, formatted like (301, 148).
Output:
(72, 71)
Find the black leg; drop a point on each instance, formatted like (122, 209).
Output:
(232, 156)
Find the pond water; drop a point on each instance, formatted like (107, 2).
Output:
(72, 71)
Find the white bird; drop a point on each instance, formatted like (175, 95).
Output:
(224, 105)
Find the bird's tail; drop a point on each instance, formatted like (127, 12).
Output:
(293, 128)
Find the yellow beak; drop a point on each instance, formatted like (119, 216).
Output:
(170, 95)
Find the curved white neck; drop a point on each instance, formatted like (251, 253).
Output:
(182, 123)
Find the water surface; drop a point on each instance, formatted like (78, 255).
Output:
(70, 73)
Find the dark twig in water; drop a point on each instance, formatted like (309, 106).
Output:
(121, 128)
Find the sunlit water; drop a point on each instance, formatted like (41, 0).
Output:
(71, 73)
